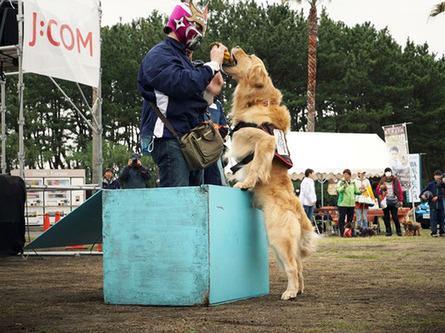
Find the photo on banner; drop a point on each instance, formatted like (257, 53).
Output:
(416, 181)
(62, 39)
(397, 145)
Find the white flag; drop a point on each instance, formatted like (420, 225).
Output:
(62, 39)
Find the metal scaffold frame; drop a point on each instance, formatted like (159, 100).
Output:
(11, 57)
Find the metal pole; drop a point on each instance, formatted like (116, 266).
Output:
(3, 111)
(20, 87)
(97, 133)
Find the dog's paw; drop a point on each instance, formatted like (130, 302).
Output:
(241, 186)
(289, 294)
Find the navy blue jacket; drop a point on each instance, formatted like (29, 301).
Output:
(112, 184)
(432, 187)
(168, 78)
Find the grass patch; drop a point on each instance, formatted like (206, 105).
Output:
(353, 256)
(330, 251)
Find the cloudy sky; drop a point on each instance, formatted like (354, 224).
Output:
(404, 18)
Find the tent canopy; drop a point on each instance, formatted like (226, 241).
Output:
(328, 154)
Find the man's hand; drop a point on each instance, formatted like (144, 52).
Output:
(139, 163)
(223, 131)
(434, 199)
(217, 53)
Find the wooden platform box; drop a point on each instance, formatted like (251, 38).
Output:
(183, 246)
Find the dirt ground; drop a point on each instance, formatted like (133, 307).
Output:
(378, 284)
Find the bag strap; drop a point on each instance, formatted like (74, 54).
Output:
(166, 122)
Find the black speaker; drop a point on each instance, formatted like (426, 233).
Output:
(9, 30)
(12, 215)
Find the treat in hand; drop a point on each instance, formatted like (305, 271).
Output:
(227, 57)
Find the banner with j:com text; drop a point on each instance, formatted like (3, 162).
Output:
(62, 39)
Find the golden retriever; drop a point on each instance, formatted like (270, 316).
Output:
(256, 101)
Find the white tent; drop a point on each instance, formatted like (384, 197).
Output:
(328, 154)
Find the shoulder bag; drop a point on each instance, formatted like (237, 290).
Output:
(201, 146)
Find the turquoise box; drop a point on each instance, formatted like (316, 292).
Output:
(183, 246)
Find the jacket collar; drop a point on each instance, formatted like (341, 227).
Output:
(176, 44)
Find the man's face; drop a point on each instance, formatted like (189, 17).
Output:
(347, 176)
(394, 154)
(436, 178)
(108, 174)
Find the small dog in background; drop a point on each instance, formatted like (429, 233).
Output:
(412, 228)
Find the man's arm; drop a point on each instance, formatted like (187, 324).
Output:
(124, 173)
(145, 173)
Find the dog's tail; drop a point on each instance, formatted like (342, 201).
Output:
(308, 242)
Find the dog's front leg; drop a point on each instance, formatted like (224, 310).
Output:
(261, 164)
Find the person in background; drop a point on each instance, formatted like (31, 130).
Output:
(436, 203)
(308, 197)
(347, 190)
(361, 209)
(109, 182)
(135, 175)
(389, 188)
(214, 174)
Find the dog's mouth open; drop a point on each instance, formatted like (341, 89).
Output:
(231, 63)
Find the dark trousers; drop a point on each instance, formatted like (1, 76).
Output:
(173, 169)
(344, 212)
(393, 210)
(437, 216)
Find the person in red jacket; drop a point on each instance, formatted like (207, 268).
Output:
(390, 189)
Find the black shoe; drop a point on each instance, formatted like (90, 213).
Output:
(433, 235)
(388, 234)
(399, 234)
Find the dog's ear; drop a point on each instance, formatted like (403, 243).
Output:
(257, 76)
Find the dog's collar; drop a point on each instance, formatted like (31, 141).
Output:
(265, 103)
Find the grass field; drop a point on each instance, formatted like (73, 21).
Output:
(376, 284)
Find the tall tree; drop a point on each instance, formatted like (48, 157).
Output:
(438, 9)
(312, 60)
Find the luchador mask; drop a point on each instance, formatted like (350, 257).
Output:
(184, 22)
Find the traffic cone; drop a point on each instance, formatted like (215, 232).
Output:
(46, 224)
(99, 247)
(57, 217)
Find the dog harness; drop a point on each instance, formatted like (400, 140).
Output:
(281, 151)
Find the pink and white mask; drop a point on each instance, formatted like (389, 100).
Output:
(184, 20)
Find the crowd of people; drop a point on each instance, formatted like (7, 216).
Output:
(355, 197)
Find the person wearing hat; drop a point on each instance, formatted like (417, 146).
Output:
(134, 175)
(435, 201)
(361, 209)
(389, 188)
(109, 182)
(168, 80)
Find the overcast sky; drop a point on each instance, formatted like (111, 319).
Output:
(404, 18)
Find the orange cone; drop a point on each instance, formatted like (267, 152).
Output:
(46, 224)
(57, 217)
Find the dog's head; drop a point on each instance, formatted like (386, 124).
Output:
(247, 69)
